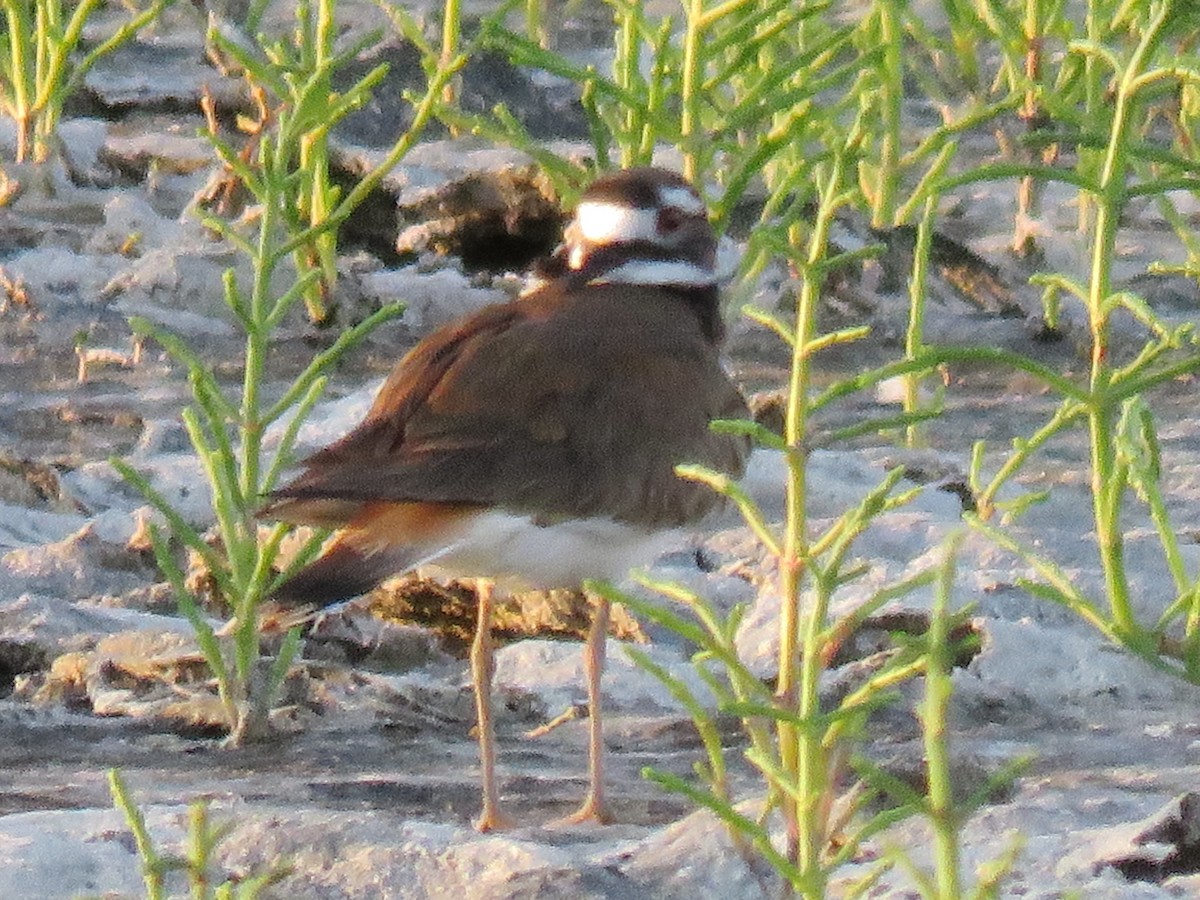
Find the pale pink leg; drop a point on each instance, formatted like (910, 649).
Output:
(482, 669)
(594, 808)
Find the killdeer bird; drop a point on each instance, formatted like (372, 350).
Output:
(534, 442)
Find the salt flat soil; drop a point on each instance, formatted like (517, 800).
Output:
(370, 786)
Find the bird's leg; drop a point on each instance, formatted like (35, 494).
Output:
(482, 669)
(594, 808)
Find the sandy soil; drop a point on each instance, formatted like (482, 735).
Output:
(370, 786)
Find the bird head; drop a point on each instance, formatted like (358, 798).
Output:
(646, 226)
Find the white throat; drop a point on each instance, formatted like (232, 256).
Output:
(663, 272)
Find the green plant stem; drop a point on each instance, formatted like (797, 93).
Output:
(422, 114)
(535, 23)
(934, 710)
(228, 434)
(1096, 25)
(451, 35)
(249, 424)
(914, 335)
(242, 535)
(1102, 411)
(795, 552)
(625, 72)
(152, 862)
(314, 162)
(200, 847)
(55, 48)
(690, 96)
(42, 69)
(891, 88)
(1032, 35)
(801, 752)
(19, 30)
(1066, 413)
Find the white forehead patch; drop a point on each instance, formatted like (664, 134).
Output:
(610, 223)
(683, 200)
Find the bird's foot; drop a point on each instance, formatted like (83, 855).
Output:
(492, 819)
(593, 810)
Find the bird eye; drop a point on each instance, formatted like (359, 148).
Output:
(669, 219)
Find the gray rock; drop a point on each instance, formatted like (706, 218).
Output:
(430, 298)
(553, 672)
(93, 560)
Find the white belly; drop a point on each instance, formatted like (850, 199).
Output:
(512, 550)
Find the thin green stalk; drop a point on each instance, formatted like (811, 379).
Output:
(1138, 448)
(54, 52)
(46, 18)
(723, 484)
(199, 850)
(535, 23)
(153, 870)
(1057, 586)
(229, 435)
(812, 771)
(1066, 413)
(421, 115)
(943, 815)
(690, 97)
(314, 161)
(914, 335)
(42, 68)
(706, 726)
(800, 661)
(1110, 201)
(1191, 633)
(1096, 28)
(249, 423)
(627, 72)
(932, 357)
(451, 34)
(891, 90)
(19, 30)
(1033, 36)
(224, 509)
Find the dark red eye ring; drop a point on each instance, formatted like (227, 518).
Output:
(669, 219)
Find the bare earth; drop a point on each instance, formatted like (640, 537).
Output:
(371, 784)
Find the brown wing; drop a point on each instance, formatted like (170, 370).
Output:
(559, 405)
